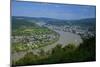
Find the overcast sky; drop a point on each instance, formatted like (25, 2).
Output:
(58, 11)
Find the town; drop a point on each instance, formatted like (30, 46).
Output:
(83, 31)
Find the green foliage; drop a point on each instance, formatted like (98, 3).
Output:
(17, 47)
(69, 53)
(23, 28)
(28, 59)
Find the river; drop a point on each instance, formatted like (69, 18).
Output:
(64, 39)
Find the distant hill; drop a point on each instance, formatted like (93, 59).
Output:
(87, 21)
(20, 22)
(42, 19)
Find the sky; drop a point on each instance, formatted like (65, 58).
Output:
(48, 10)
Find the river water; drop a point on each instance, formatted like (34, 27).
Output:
(64, 39)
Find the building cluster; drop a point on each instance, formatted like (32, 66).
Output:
(33, 40)
(83, 31)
